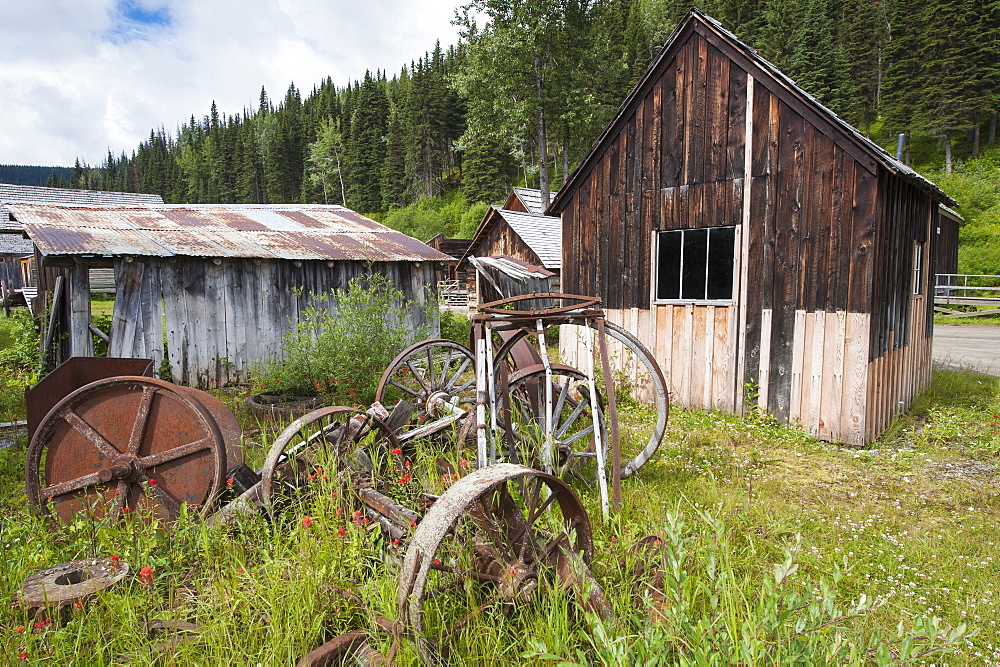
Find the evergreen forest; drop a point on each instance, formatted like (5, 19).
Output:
(529, 87)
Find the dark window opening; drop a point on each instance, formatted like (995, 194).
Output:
(696, 264)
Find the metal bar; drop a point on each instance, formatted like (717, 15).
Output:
(595, 409)
(616, 454)
(481, 397)
(547, 416)
(492, 392)
(53, 314)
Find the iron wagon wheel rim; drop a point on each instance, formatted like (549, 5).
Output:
(464, 501)
(659, 384)
(126, 469)
(570, 442)
(459, 360)
(286, 438)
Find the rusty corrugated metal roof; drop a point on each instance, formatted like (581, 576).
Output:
(274, 231)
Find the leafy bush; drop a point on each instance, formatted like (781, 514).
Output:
(18, 362)
(455, 327)
(340, 353)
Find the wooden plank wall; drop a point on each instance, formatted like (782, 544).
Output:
(220, 319)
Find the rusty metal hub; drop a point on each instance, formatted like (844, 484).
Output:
(66, 583)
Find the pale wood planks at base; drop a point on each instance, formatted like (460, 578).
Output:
(900, 374)
(830, 383)
(691, 344)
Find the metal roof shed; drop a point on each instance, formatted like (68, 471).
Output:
(221, 285)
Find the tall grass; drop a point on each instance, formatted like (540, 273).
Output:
(776, 548)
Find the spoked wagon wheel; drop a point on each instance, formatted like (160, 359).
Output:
(340, 431)
(497, 537)
(431, 375)
(637, 379)
(124, 444)
(572, 446)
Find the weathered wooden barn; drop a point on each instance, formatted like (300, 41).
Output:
(532, 238)
(219, 285)
(17, 267)
(767, 252)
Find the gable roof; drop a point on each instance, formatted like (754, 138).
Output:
(845, 134)
(541, 233)
(531, 198)
(275, 231)
(33, 193)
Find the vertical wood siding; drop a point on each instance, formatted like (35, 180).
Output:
(220, 319)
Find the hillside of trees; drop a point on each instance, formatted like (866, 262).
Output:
(521, 99)
(20, 174)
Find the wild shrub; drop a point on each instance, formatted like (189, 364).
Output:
(341, 352)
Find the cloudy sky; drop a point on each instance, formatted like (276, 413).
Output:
(78, 77)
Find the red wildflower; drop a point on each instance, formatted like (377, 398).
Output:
(125, 509)
(307, 522)
(395, 451)
(152, 482)
(463, 463)
(614, 539)
(339, 511)
(146, 576)
(333, 495)
(116, 561)
(239, 570)
(437, 561)
(405, 479)
(413, 524)
(407, 463)
(341, 532)
(23, 657)
(19, 629)
(395, 543)
(229, 482)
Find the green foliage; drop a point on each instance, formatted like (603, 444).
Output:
(429, 216)
(709, 606)
(342, 342)
(19, 348)
(455, 327)
(975, 185)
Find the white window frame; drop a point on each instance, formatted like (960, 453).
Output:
(695, 302)
(917, 288)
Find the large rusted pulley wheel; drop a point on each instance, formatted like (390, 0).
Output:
(299, 449)
(125, 444)
(497, 537)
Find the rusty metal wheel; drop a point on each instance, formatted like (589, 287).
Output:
(496, 537)
(432, 375)
(125, 444)
(342, 432)
(637, 379)
(572, 446)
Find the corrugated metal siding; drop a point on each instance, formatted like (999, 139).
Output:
(295, 232)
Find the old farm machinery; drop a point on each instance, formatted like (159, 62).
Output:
(525, 424)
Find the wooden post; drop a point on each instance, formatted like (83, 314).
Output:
(81, 344)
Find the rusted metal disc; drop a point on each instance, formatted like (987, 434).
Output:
(125, 444)
(66, 583)
(229, 425)
(347, 649)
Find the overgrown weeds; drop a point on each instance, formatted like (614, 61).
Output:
(777, 549)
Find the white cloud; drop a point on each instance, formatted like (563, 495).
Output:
(79, 78)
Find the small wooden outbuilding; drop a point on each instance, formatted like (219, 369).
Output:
(531, 238)
(218, 285)
(767, 252)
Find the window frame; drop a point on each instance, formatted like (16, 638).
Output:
(695, 302)
(917, 286)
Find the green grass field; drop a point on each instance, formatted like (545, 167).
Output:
(779, 549)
